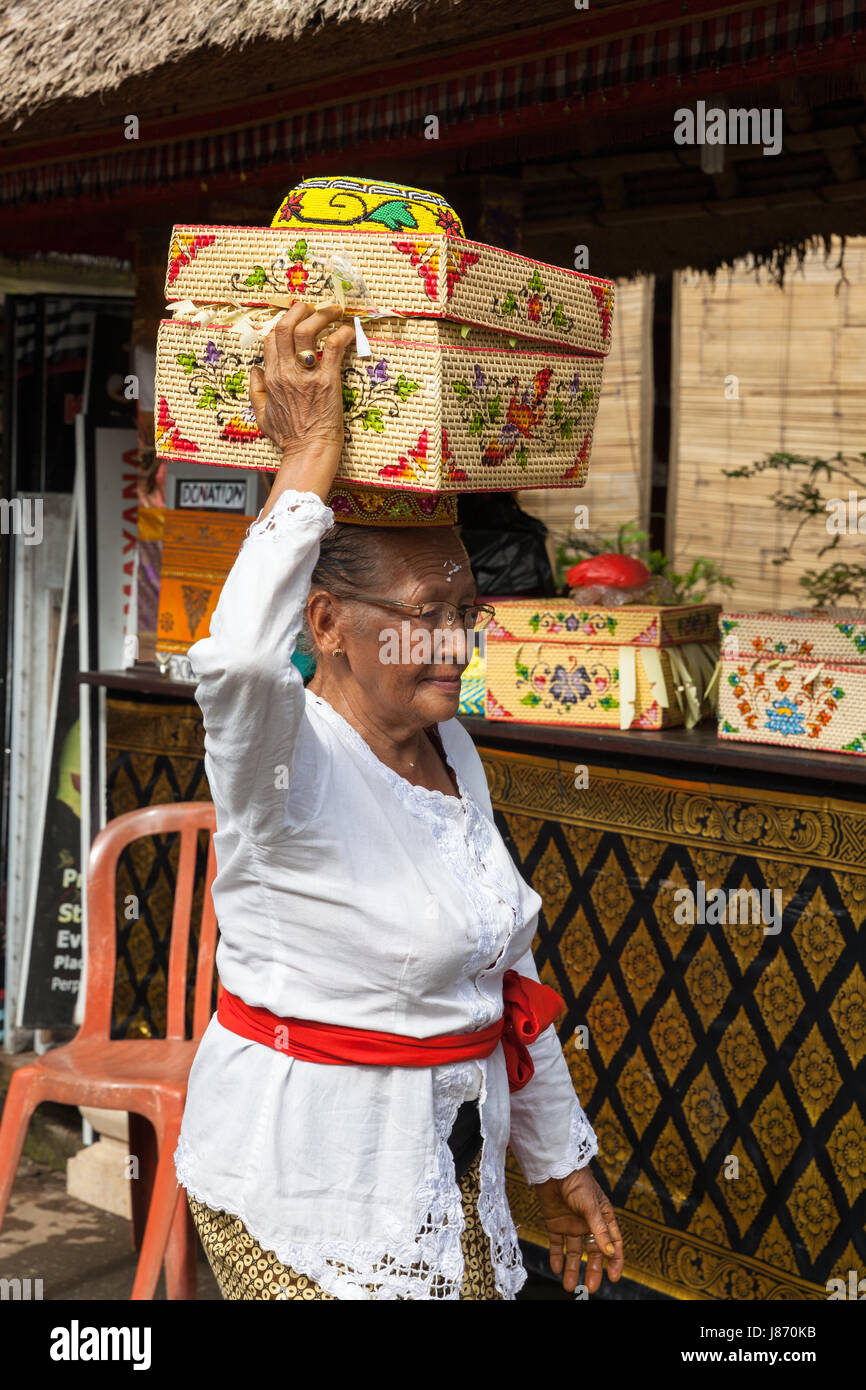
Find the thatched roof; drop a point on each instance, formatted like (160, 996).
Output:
(72, 49)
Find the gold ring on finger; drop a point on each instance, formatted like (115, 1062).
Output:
(306, 359)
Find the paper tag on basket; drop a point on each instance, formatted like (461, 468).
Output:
(654, 671)
(627, 685)
(362, 342)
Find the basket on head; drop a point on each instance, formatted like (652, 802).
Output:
(475, 369)
(374, 207)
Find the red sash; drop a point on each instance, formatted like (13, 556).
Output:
(528, 1008)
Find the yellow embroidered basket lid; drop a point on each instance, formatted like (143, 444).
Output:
(366, 205)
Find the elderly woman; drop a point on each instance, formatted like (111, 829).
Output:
(351, 1103)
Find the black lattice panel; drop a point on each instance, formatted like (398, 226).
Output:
(725, 1068)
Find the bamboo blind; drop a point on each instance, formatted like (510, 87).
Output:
(618, 486)
(800, 358)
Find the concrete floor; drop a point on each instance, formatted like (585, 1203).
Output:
(76, 1250)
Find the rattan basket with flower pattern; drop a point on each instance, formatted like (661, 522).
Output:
(633, 667)
(476, 369)
(794, 678)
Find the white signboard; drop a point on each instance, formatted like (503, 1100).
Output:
(225, 496)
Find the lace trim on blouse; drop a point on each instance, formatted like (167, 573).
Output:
(290, 507)
(581, 1147)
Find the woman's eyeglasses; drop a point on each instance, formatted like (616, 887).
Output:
(436, 616)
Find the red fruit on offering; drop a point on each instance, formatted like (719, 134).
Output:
(615, 570)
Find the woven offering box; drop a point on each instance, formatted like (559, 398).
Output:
(475, 369)
(631, 667)
(795, 678)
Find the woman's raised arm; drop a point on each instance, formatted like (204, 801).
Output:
(250, 692)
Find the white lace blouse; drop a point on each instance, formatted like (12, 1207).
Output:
(346, 895)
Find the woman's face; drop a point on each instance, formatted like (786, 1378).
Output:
(408, 674)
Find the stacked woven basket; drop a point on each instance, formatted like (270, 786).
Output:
(475, 369)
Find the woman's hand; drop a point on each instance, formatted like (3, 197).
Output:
(573, 1207)
(301, 408)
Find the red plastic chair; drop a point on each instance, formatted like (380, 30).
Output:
(147, 1077)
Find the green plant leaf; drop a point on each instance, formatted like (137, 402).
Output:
(208, 400)
(234, 384)
(187, 361)
(372, 420)
(256, 278)
(531, 699)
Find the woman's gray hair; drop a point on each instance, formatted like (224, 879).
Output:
(350, 557)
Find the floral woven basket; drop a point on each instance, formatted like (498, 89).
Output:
(416, 415)
(474, 370)
(640, 667)
(794, 678)
(560, 620)
(438, 276)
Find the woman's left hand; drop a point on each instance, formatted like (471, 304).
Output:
(573, 1208)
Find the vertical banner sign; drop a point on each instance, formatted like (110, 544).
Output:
(53, 961)
(112, 544)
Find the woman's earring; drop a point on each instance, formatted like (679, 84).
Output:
(338, 651)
